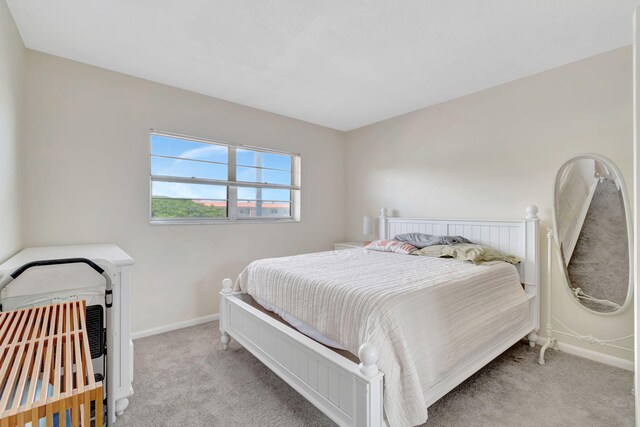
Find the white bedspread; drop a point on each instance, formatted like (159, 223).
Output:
(423, 314)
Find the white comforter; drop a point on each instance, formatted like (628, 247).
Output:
(423, 314)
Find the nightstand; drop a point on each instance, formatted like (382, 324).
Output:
(347, 245)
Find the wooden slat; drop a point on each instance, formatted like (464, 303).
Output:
(68, 365)
(35, 373)
(48, 348)
(75, 413)
(34, 417)
(62, 417)
(49, 416)
(16, 322)
(97, 396)
(78, 360)
(57, 369)
(10, 383)
(86, 350)
(6, 323)
(4, 372)
(24, 375)
(29, 363)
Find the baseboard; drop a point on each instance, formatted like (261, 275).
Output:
(174, 326)
(592, 355)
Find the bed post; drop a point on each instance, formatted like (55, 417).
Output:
(550, 338)
(532, 270)
(224, 320)
(369, 397)
(382, 229)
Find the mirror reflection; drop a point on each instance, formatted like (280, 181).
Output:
(592, 228)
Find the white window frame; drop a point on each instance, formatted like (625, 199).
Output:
(231, 183)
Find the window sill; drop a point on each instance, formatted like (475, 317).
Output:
(219, 221)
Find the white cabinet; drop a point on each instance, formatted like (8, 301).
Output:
(44, 285)
(348, 245)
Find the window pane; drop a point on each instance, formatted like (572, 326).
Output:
(188, 169)
(186, 149)
(178, 200)
(276, 161)
(266, 176)
(245, 157)
(266, 160)
(270, 194)
(263, 209)
(178, 190)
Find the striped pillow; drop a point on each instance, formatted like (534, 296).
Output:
(391, 246)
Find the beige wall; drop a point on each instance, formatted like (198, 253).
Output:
(492, 153)
(11, 92)
(86, 175)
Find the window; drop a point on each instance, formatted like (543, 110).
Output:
(194, 180)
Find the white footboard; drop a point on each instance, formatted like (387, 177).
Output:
(349, 394)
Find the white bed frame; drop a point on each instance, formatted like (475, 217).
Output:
(351, 394)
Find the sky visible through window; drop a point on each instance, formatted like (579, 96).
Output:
(192, 159)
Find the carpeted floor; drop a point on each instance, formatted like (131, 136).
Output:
(184, 378)
(600, 261)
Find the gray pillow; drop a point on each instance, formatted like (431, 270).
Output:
(453, 240)
(421, 240)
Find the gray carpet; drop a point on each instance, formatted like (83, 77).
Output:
(183, 378)
(600, 261)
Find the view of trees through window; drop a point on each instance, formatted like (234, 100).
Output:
(192, 179)
(176, 208)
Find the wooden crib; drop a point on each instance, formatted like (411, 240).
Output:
(46, 375)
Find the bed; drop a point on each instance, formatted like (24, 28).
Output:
(382, 319)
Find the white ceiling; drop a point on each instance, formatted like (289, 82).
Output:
(338, 63)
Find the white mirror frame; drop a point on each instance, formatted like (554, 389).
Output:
(636, 201)
(629, 218)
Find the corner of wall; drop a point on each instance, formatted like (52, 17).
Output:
(12, 88)
(345, 193)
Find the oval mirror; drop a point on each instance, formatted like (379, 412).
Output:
(593, 229)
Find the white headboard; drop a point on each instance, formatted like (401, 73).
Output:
(519, 238)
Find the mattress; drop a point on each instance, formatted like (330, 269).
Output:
(424, 314)
(308, 330)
